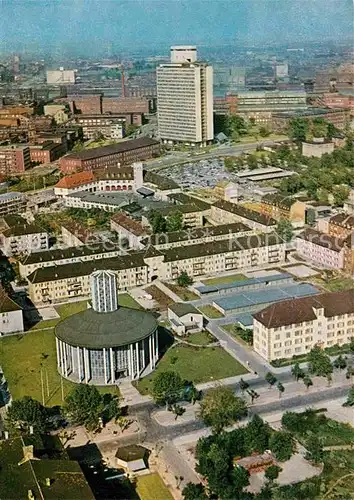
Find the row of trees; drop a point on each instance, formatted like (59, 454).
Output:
(301, 129)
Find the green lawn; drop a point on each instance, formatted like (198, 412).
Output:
(183, 293)
(126, 300)
(225, 279)
(198, 365)
(210, 312)
(200, 338)
(151, 487)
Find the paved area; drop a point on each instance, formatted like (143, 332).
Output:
(48, 313)
(301, 271)
(262, 274)
(131, 396)
(143, 298)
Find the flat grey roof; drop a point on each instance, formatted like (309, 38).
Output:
(247, 282)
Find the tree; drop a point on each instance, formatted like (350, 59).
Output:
(167, 387)
(177, 410)
(285, 230)
(243, 385)
(307, 382)
(314, 449)
(252, 162)
(253, 394)
(319, 127)
(350, 399)
(297, 372)
(319, 363)
(184, 279)
(340, 362)
(220, 408)
(340, 195)
(270, 379)
(272, 472)
(310, 216)
(194, 492)
(298, 128)
(280, 388)
(174, 222)
(264, 132)
(131, 129)
(28, 412)
(157, 221)
(84, 406)
(350, 372)
(240, 479)
(282, 445)
(257, 434)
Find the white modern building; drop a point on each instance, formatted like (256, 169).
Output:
(17, 236)
(185, 98)
(60, 76)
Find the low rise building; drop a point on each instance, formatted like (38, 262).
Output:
(12, 203)
(321, 249)
(75, 234)
(130, 229)
(225, 212)
(57, 111)
(284, 207)
(11, 316)
(185, 318)
(47, 152)
(107, 126)
(122, 154)
(317, 147)
(294, 327)
(18, 236)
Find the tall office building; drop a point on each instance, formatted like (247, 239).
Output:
(185, 98)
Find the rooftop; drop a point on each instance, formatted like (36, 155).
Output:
(163, 183)
(322, 239)
(128, 223)
(295, 311)
(245, 213)
(92, 329)
(17, 226)
(183, 199)
(279, 201)
(121, 147)
(7, 304)
(182, 308)
(131, 453)
(343, 219)
(298, 113)
(75, 180)
(11, 196)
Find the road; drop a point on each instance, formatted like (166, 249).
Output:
(223, 150)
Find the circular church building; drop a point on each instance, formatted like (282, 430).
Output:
(106, 342)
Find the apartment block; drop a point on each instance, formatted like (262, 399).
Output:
(14, 159)
(12, 203)
(17, 236)
(59, 283)
(294, 327)
(321, 249)
(47, 152)
(108, 126)
(60, 257)
(130, 229)
(185, 99)
(226, 212)
(279, 207)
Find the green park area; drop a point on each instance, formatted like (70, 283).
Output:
(29, 360)
(225, 279)
(151, 487)
(210, 312)
(195, 364)
(200, 338)
(244, 337)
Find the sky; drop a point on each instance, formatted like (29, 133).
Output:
(56, 25)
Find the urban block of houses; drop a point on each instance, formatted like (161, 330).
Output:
(59, 283)
(185, 318)
(18, 236)
(278, 207)
(12, 203)
(11, 316)
(130, 229)
(75, 234)
(224, 212)
(294, 327)
(341, 225)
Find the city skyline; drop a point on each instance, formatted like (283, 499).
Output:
(93, 25)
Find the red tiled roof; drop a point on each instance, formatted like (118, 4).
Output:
(75, 180)
(295, 311)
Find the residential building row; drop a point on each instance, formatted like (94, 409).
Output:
(60, 283)
(12, 203)
(293, 327)
(17, 236)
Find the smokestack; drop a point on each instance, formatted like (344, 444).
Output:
(123, 83)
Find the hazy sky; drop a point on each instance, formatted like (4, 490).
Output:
(56, 24)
